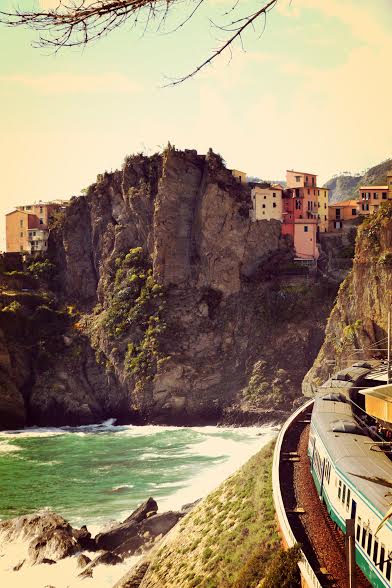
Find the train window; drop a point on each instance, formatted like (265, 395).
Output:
(348, 498)
(369, 543)
(388, 570)
(382, 557)
(358, 529)
(364, 533)
(344, 493)
(375, 551)
(340, 489)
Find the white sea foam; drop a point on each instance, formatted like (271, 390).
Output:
(6, 447)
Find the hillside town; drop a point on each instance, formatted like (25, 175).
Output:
(300, 205)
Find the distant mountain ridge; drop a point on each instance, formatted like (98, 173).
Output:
(345, 186)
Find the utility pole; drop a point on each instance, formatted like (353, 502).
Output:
(389, 349)
(350, 552)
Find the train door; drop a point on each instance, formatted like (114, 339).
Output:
(353, 509)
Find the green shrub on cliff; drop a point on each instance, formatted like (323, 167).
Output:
(134, 308)
(42, 270)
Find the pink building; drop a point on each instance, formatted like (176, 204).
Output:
(300, 213)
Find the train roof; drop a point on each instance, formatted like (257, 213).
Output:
(350, 452)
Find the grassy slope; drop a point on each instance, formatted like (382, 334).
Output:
(216, 544)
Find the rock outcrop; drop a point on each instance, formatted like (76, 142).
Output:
(357, 327)
(157, 303)
(45, 537)
(174, 285)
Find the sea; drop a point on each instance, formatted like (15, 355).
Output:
(98, 474)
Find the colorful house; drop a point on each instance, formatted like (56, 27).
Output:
(342, 215)
(300, 213)
(371, 197)
(240, 176)
(266, 202)
(27, 227)
(322, 209)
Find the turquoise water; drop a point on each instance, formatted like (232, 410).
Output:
(98, 473)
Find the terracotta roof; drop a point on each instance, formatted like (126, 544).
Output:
(344, 203)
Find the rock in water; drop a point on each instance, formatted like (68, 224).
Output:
(127, 530)
(46, 536)
(139, 529)
(108, 559)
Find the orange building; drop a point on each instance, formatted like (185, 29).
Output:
(342, 215)
(370, 197)
(27, 227)
(300, 213)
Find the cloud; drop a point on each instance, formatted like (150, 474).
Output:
(64, 83)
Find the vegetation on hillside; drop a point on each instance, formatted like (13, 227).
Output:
(229, 540)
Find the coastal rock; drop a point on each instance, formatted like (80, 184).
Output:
(141, 528)
(83, 560)
(46, 536)
(127, 532)
(133, 579)
(108, 558)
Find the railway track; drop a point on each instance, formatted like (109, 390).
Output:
(302, 517)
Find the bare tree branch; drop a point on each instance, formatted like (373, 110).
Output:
(79, 22)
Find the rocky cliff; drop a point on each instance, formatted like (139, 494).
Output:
(357, 327)
(178, 308)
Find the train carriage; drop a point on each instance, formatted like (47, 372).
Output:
(353, 480)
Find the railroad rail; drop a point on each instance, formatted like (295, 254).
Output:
(308, 574)
(302, 518)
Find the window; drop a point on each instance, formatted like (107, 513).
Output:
(274, 194)
(369, 543)
(384, 195)
(325, 217)
(375, 195)
(21, 233)
(21, 223)
(265, 197)
(375, 550)
(340, 489)
(354, 212)
(382, 557)
(348, 498)
(306, 229)
(364, 533)
(41, 209)
(41, 221)
(308, 191)
(297, 178)
(344, 494)
(274, 205)
(263, 205)
(27, 207)
(388, 570)
(358, 529)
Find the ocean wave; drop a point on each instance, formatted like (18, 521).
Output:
(6, 447)
(122, 488)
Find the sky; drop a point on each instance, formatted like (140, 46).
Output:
(312, 93)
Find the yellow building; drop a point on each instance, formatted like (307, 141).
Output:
(239, 176)
(371, 197)
(266, 202)
(378, 402)
(322, 208)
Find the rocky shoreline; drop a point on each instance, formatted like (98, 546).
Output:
(47, 538)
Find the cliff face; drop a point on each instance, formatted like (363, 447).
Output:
(176, 289)
(357, 327)
(176, 307)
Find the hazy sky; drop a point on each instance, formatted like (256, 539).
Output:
(313, 93)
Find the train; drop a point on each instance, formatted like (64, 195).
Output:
(352, 474)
